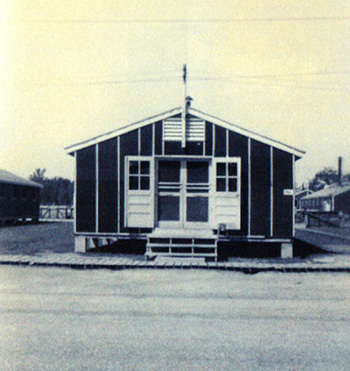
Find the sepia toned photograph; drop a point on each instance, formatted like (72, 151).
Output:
(174, 185)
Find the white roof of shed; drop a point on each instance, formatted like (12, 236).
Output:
(331, 191)
(178, 110)
(9, 178)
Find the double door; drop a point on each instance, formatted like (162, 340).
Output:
(183, 194)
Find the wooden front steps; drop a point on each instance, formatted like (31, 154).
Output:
(182, 243)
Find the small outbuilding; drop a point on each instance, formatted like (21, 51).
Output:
(183, 181)
(333, 198)
(19, 199)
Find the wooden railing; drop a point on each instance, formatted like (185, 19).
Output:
(319, 218)
(56, 212)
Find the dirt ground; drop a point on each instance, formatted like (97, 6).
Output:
(64, 319)
(37, 238)
(343, 231)
(58, 237)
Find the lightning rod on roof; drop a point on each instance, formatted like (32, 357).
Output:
(184, 111)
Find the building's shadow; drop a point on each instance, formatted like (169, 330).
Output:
(225, 249)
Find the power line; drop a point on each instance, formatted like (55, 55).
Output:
(181, 20)
(157, 72)
(277, 75)
(275, 81)
(128, 81)
(272, 84)
(87, 83)
(237, 80)
(279, 79)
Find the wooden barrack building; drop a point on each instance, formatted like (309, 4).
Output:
(183, 182)
(19, 199)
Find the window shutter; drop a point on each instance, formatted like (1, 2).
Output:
(195, 130)
(172, 130)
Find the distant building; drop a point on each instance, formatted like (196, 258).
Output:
(299, 194)
(334, 198)
(19, 198)
(183, 182)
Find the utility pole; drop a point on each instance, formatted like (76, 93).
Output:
(184, 110)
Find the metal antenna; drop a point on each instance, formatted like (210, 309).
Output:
(184, 111)
(185, 81)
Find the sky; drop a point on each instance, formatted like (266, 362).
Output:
(71, 70)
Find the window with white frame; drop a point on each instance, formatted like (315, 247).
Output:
(139, 175)
(226, 177)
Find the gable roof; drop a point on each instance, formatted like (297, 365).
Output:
(178, 110)
(331, 191)
(9, 178)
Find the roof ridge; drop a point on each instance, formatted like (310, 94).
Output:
(124, 127)
(10, 178)
(247, 130)
(206, 117)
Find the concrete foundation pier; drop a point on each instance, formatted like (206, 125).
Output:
(286, 250)
(80, 244)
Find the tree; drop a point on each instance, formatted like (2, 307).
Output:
(56, 191)
(38, 176)
(324, 178)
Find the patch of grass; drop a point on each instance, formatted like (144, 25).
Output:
(33, 239)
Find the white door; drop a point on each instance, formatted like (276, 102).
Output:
(183, 194)
(139, 192)
(196, 194)
(227, 193)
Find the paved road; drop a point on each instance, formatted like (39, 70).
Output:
(61, 319)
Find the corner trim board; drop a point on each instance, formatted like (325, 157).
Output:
(271, 191)
(97, 187)
(293, 217)
(249, 187)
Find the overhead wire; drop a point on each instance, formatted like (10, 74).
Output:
(288, 80)
(276, 84)
(97, 82)
(269, 80)
(274, 74)
(183, 20)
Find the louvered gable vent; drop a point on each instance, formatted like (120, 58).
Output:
(195, 130)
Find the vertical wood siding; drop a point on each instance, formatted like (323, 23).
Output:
(172, 148)
(86, 190)
(220, 141)
(146, 141)
(128, 146)
(260, 189)
(108, 186)
(158, 138)
(238, 147)
(282, 205)
(194, 148)
(25, 205)
(208, 139)
(342, 203)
